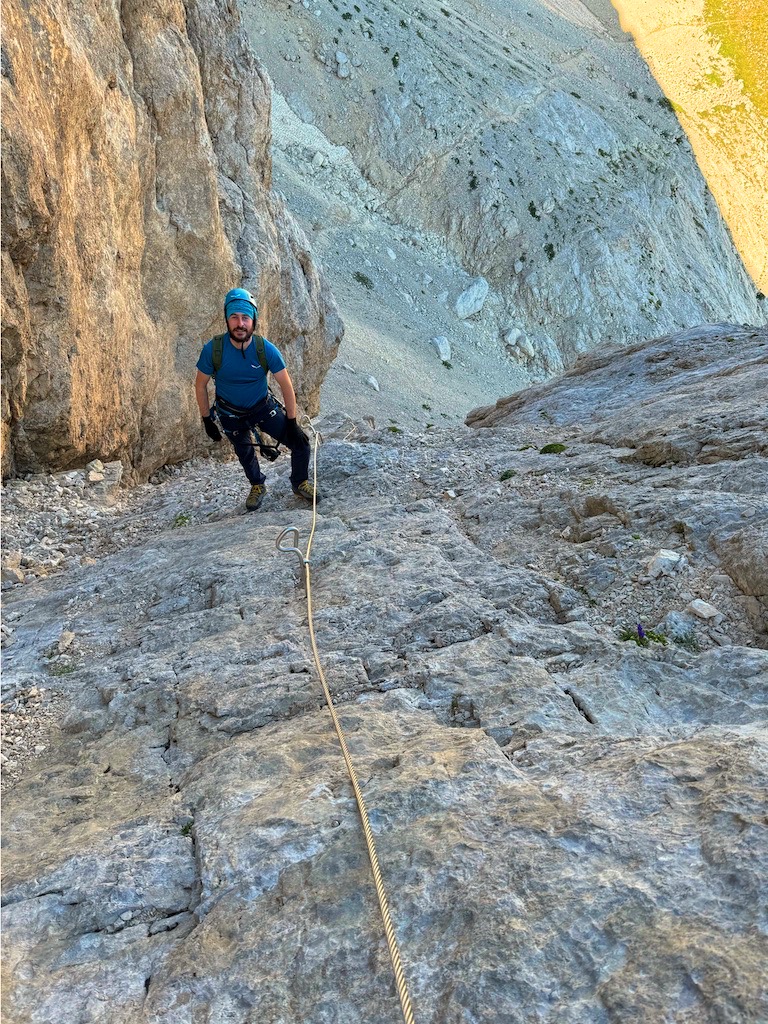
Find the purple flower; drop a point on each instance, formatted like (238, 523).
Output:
(640, 631)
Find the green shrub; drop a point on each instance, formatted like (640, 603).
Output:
(643, 637)
(552, 449)
(508, 474)
(61, 670)
(363, 279)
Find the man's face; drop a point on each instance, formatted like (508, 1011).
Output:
(240, 327)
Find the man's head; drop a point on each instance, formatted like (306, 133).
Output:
(240, 312)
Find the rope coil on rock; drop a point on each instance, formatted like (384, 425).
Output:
(394, 951)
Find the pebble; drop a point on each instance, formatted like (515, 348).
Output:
(703, 610)
(442, 347)
(65, 641)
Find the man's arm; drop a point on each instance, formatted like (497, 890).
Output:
(201, 393)
(289, 395)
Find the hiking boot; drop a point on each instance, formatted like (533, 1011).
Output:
(255, 497)
(307, 491)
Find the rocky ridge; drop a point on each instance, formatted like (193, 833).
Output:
(568, 810)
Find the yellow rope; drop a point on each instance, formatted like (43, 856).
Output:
(394, 951)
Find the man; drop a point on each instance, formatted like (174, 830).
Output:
(243, 401)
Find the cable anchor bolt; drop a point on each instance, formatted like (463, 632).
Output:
(294, 548)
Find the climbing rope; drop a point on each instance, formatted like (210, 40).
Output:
(394, 951)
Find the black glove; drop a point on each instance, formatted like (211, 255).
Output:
(211, 429)
(294, 435)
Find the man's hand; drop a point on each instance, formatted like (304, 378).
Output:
(293, 432)
(211, 429)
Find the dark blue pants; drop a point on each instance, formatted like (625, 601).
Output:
(269, 417)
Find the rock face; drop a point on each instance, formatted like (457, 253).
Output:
(136, 191)
(531, 137)
(569, 811)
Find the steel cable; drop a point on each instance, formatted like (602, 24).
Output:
(394, 950)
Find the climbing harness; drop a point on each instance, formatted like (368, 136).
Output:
(269, 451)
(394, 951)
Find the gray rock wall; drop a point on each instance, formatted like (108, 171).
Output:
(136, 191)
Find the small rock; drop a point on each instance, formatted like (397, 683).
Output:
(703, 610)
(666, 563)
(372, 383)
(94, 477)
(472, 300)
(576, 614)
(676, 625)
(95, 466)
(65, 641)
(12, 575)
(443, 347)
(518, 344)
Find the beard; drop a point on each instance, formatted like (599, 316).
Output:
(241, 335)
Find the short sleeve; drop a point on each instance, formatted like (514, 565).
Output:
(275, 361)
(205, 362)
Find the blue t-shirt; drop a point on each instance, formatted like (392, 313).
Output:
(240, 381)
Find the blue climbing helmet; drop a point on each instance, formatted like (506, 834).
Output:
(240, 300)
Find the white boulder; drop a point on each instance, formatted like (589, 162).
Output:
(472, 300)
